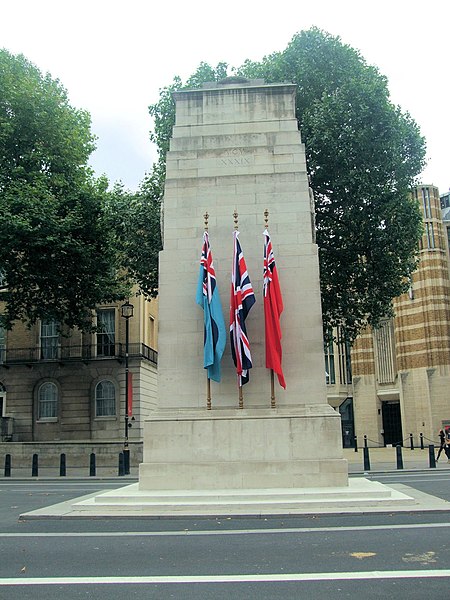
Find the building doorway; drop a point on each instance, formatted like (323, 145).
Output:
(392, 423)
(347, 423)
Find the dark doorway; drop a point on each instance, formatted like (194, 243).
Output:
(347, 423)
(392, 423)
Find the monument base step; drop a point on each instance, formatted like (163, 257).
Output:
(358, 495)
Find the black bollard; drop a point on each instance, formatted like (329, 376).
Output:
(35, 466)
(62, 465)
(431, 456)
(411, 441)
(356, 443)
(92, 465)
(121, 465)
(126, 461)
(8, 465)
(398, 449)
(366, 458)
(365, 441)
(421, 441)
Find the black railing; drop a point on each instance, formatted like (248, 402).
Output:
(85, 352)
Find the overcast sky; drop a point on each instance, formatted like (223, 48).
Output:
(113, 57)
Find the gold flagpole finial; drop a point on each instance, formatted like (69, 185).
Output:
(235, 217)
(266, 219)
(206, 217)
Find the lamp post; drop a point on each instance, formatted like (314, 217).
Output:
(127, 311)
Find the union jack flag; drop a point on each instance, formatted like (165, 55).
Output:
(208, 272)
(242, 299)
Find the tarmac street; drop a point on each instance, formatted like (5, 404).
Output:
(371, 555)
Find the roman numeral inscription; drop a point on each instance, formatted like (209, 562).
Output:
(235, 157)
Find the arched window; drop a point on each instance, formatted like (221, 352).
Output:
(48, 401)
(105, 399)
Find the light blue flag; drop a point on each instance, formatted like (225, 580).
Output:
(214, 325)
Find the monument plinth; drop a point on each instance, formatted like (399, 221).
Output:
(236, 147)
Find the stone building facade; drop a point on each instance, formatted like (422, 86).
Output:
(67, 388)
(400, 373)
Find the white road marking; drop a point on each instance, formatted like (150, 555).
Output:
(269, 577)
(188, 532)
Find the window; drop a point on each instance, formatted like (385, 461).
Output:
(105, 399)
(445, 200)
(106, 334)
(330, 374)
(49, 339)
(152, 331)
(47, 401)
(429, 229)
(426, 203)
(345, 362)
(385, 352)
(2, 344)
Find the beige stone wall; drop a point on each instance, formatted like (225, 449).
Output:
(363, 359)
(144, 397)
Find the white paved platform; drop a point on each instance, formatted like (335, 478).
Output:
(360, 496)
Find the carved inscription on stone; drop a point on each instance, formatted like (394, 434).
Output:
(235, 157)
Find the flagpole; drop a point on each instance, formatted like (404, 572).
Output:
(272, 390)
(208, 393)
(272, 382)
(208, 380)
(241, 395)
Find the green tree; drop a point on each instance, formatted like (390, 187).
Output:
(57, 257)
(363, 156)
(136, 222)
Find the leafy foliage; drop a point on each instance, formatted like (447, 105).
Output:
(57, 257)
(363, 155)
(135, 219)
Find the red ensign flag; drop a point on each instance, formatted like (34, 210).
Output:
(130, 394)
(273, 307)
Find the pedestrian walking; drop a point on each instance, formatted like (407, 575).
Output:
(447, 443)
(441, 443)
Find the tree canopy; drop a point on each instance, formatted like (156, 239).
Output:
(135, 219)
(57, 256)
(363, 156)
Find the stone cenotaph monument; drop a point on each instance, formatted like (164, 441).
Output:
(237, 147)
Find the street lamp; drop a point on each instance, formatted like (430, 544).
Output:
(127, 311)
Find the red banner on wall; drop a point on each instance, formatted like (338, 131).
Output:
(130, 395)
